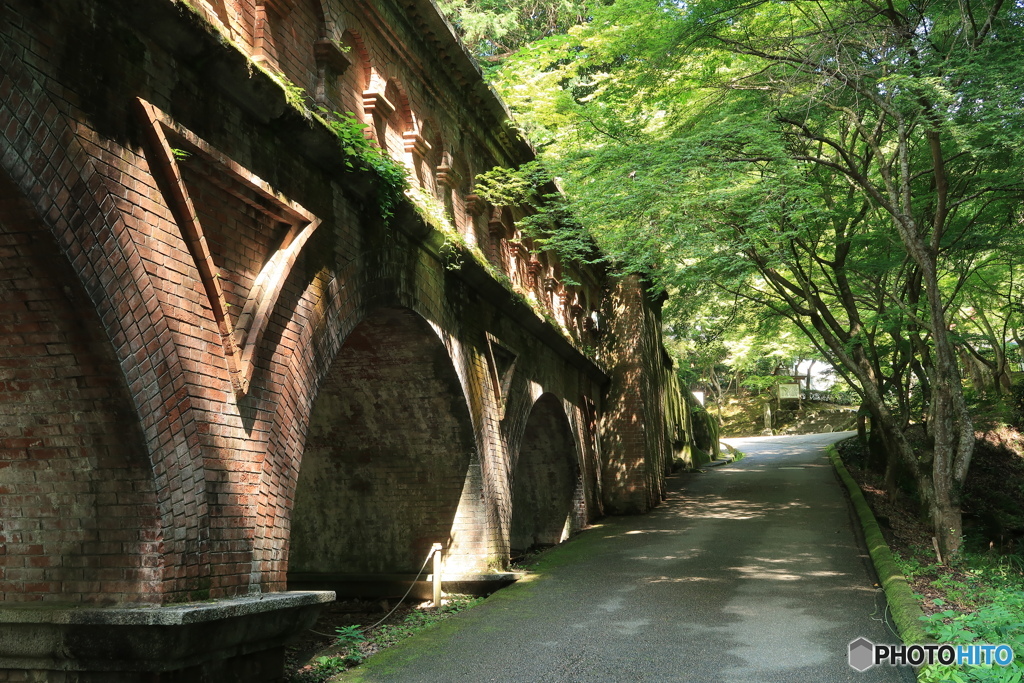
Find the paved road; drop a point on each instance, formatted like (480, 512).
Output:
(749, 572)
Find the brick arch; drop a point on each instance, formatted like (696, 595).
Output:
(399, 122)
(445, 173)
(82, 214)
(353, 40)
(328, 13)
(386, 468)
(265, 42)
(501, 231)
(319, 318)
(547, 485)
(460, 184)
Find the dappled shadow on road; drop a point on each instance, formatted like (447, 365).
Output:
(678, 507)
(715, 507)
(685, 579)
(753, 564)
(747, 573)
(742, 567)
(770, 569)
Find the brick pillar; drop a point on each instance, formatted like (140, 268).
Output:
(632, 431)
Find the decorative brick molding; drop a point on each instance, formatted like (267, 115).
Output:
(375, 103)
(329, 54)
(240, 333)
(447, 175)
(475, 205)
(535, 266)
(331, 62)
(415, 143)
(502, 369)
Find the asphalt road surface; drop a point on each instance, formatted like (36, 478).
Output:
(749, 572)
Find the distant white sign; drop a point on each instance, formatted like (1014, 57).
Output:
(699, 395)
(789, 391)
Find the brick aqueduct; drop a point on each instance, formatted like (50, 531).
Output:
(227, 383)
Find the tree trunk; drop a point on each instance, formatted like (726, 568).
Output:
(950, 424)
(719, 395)
(951, 428)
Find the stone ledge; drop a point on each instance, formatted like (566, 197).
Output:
(192, 636)
(158, 615)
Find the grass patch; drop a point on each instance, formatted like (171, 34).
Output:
(977, 598)
(353, 644)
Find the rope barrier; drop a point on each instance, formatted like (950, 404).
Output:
(411, 586)
(398, 604)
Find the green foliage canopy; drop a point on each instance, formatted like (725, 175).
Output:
(494, 29)
(852, 166)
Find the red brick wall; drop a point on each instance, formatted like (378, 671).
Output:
(212, 476)
(78, 516)
(636, 455)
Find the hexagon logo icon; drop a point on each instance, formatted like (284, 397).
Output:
(862, 654)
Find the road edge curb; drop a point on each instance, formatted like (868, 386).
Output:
(905, 608)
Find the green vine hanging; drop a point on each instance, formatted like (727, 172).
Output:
(359, 151)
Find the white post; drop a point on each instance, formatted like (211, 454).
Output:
(437, 575)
